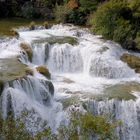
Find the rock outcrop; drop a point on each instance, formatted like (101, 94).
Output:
(132, 61)
(44, 71)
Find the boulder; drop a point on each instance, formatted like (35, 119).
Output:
(46, 25)
(27, 49)
(12, 69)
(132, 61)
(28, 71)
(44, 71)
(32, 26)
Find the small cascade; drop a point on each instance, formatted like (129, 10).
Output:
(65, 58)
(40, 53)
(102, 66)
(34, 97)
(128, 112)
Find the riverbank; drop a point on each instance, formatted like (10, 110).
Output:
(7, 24)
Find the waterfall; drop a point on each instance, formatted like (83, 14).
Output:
(79, 72)
(126, 111)
(34, 97)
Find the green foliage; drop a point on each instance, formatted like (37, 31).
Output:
(77, 17)
(61, 12)
(52, 3)
(80, 127)
(9, 130)
(64, 14)
(89, 5)
(85, 126)
(28, 10)
(117, 20)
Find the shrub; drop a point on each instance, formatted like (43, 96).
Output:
(89, 5)
(81, 127)
(116, 20)
(77, 17)
(28, 10)
(61, 13)
(85, 126)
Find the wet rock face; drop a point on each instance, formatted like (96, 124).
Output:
(49, 86)
(132, 61)
(1, 86)
(46, 52)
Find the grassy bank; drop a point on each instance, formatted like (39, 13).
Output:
(7, 24)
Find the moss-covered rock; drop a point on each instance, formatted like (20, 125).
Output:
(122, 91)
(44, 71)
(32, 25)
(132, 61)
(11, 69)
(27, 49)
(59, 40)
(46, 25)
(14, 33)
(28, 71)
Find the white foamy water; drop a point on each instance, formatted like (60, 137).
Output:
(9, 48)
(84, 69)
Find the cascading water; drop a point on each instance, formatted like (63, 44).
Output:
(82, 70)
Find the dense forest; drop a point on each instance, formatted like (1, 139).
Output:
(118, 20)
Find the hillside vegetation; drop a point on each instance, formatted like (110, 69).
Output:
(117, 20)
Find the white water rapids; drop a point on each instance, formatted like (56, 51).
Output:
(82, 71)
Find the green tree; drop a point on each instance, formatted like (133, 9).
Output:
(118, 20)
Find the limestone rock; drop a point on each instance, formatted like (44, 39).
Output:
(44, 71)
(132, 61)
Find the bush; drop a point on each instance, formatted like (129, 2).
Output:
(117, 20)
(61, 13)
(65, 14)
(77, 17)
(28, 10)
(89, 5)
(85, 126)
(81, 127)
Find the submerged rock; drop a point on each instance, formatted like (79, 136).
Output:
(27, 49)
(132, 61)
(122, 91)
(44, 71)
